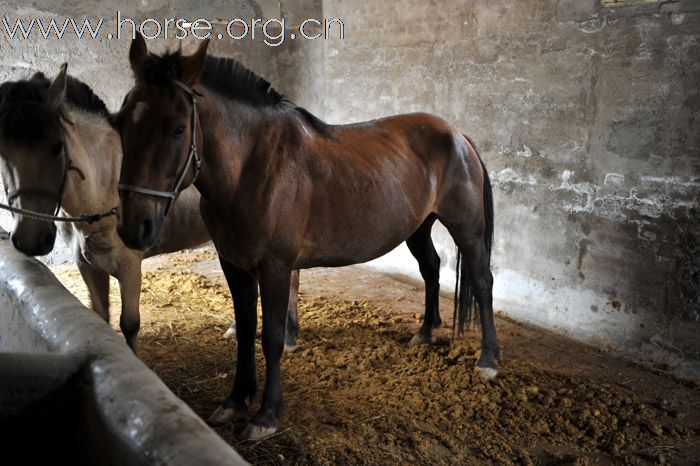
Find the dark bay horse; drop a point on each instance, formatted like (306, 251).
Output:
(59, 154)
(282, 190)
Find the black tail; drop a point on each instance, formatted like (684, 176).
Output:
(488, 207)
(464, 299)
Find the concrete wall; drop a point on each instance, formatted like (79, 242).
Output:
(588, 119)
(68, 379)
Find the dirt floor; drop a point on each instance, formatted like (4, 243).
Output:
(357, 394)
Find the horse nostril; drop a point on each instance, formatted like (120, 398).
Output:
(146, 230)
(48, 241)
(16, 242)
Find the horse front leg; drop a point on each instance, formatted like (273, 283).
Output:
(290, 340)
(97, 282)
(274, 292)
(129, 277)
(244, 290)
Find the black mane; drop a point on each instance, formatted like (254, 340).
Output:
(83, 97)
(229, 78)
(233, 80)
(24, 116)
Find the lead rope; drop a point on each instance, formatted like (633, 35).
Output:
(55, 218)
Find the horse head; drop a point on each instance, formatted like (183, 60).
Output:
(158, 125)
(33, 158)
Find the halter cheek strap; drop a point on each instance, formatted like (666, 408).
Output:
(193, 160)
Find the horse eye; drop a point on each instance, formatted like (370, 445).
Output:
(180, 130)
(57, 148)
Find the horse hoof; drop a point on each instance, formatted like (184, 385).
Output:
(133, 345)
(290, 348)
(486, 373)
(231, 330)
(255, 432)
(224, 415)
(419, 339)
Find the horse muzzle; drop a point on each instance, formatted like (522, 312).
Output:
(34, 238)
(141, 233)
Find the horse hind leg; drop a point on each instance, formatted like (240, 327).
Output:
(292, 328)
(231, 330)
(421, 246)
(479, 274)
(477, 280)
(468, 216)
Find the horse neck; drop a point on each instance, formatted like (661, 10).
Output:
(95, 149)
(229, 132)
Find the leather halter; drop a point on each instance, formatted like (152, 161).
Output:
(192, 159)
(67, 167)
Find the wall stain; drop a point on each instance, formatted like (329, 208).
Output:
(582, 252)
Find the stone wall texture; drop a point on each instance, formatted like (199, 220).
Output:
(588, 119)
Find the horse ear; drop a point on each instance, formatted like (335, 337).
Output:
(138, 52)
(57, 92)
(38, 76)
(57, 88)
(193, 65)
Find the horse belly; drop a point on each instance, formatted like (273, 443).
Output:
(342, 258)
(354, 226)
(354, 246)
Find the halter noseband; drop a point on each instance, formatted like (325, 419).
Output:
(67, 167)
(192, 158)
